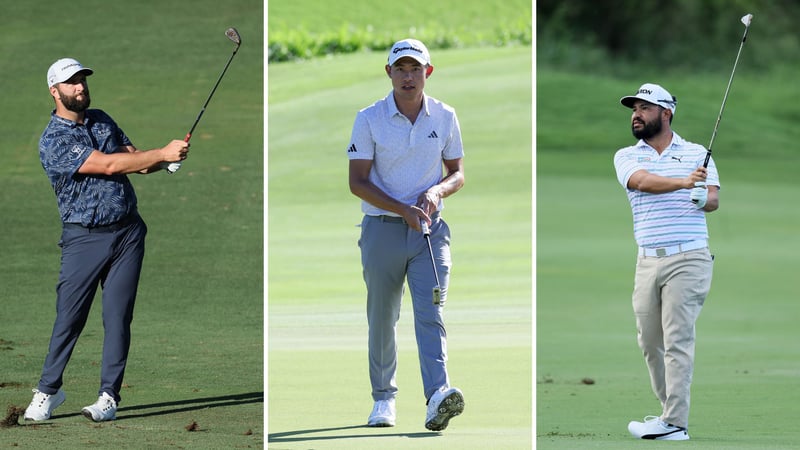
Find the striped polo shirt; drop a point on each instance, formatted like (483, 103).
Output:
(406, 158)
(662, 220)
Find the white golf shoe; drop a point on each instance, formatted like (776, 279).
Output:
(105, 408)
(42, 405)
(443, 405)
(655, 428)
(383, 414)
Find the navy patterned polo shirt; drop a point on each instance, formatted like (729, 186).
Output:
(90, 200)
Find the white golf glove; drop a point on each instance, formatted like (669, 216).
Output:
(699, 194)
(170, 167)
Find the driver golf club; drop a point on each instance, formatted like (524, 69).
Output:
(437, 292)
(746, 19)
(233, 35)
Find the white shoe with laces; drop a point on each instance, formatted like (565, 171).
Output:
(655, 428)
(443, 405)
(42, 405)
(383, 414)
(105, 408)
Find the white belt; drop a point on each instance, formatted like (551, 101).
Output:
(673, 250)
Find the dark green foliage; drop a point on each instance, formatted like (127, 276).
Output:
(698, 35)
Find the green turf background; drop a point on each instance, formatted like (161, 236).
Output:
(319, 394)
(197, 352)
(747, 353)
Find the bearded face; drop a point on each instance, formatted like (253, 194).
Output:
(78, 102)
(643, 129)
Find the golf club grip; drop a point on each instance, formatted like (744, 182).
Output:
(425, 229)
(708, 158)
(188, 136)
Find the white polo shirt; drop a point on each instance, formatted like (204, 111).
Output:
(662, 220)
(406, 158)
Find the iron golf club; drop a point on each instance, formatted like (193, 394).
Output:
(233, 35)
(437, 291)
(746, 19)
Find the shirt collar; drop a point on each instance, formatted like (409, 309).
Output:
(71, 123)
(393, 111)
(677, 141)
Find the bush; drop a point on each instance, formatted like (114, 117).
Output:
(302, 44)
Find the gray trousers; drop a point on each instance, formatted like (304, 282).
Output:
(111, 258)
(392, 253)
(668, 296)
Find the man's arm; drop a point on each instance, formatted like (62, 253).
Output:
(428, 201)
(133, 160)
(361, 187)
(644, 181)
(712, 204)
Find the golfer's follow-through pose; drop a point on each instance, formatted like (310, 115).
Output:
(87, 156)
(397, 150)
(669, 191)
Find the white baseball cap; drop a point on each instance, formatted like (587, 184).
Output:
(412, 48)
(654, 94)
(63, 69)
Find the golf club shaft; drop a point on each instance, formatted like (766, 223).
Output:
(427, 233)
(189, 134)
(725, 97)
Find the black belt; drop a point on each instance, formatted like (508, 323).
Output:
(116, 226)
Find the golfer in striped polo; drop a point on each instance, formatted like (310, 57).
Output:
(670, 191)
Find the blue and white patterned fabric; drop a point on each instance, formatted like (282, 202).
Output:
(90, 200)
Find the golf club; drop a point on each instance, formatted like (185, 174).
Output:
(746, 19)
(437, 292)
(233, 35)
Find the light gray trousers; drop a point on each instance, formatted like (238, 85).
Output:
(391, 254)
(668, 295)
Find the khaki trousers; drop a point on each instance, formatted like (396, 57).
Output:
(668, 295)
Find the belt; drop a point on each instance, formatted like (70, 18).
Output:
(397, 219)
(673, 250)
(116, 226)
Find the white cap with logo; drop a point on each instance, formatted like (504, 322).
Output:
(63, 69)
(410, 47)
(654, 94)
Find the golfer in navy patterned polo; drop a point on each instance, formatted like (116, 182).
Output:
(87, 158)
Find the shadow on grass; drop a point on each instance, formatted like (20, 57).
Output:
(179, 406)
(299, 435)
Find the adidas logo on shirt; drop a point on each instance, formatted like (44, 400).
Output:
(433, 135)
(352, 149)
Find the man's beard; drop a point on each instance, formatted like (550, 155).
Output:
(649, 130)
(73, 104)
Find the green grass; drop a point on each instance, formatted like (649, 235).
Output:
(319, 395)
(197, 352)
(747, 365)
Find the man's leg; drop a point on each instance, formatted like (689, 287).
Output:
(684, 293)
(119, 295)
(647, 308)
(428, 321)
(83, 256)
(383, 258)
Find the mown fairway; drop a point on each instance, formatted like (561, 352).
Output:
(319, 393)
(747, 352)
(197, 353)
